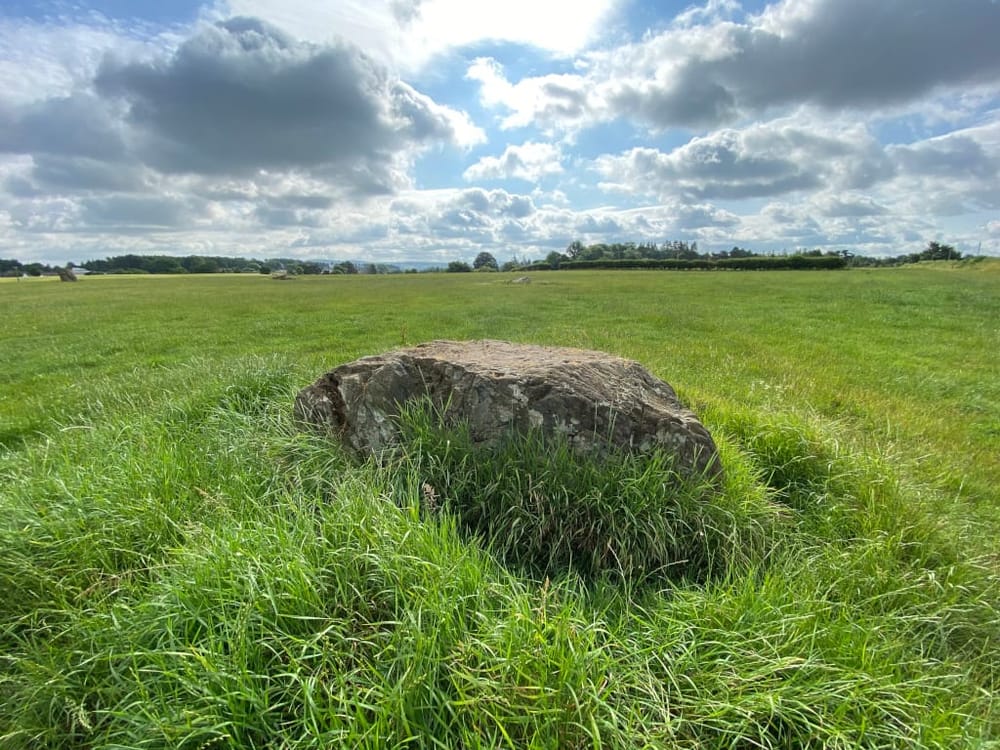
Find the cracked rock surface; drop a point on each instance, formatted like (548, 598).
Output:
(594, 400)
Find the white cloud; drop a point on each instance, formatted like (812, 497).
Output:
(840, 204)
(46, 60)
(703, 71)
(949, 175)
(832, 184)
(236, 99)
(242, 96)
(761, 160)
(810, 223)
(542, 100)
(559, 26)
(530, 161)
(408, 34)
(712, 11)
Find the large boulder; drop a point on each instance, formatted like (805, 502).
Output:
(594, 400)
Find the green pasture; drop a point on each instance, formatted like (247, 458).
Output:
(181, 567)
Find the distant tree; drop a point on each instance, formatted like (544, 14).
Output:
(574, 249)
(345, 267)
(939, 251)
(204, 265)
(554, 259)
(164, 264)
(128, 262)
(458, 266)
(311, 268)
(10, 267)
(100, 266)
(485, 261)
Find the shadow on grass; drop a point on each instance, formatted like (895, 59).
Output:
(15, 438)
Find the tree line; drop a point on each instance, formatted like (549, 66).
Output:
(678, 254)
(933, 251)
(670, 255)
(10, 268)
(170, 264)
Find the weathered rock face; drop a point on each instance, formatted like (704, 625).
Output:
(66, 274)
(594, 400)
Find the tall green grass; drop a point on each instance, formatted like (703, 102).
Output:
(181, 567)
(198, 573)
(539, 505)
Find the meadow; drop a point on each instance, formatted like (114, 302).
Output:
(181, 567)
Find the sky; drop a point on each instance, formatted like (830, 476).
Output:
(432, 130)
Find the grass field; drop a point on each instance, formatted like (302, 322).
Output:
(180, 567)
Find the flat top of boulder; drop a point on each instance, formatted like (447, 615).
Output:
(597, 376)
(505, 357)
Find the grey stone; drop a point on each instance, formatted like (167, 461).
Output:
(66, 274)
(594, 400)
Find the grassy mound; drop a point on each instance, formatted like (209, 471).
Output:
(197, 573)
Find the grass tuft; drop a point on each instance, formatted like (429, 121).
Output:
(544, 508)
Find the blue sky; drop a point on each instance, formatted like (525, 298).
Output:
(435, 129)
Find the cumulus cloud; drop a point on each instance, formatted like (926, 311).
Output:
(833, 54)
(59, 174)
(854, 222)
(702, 222)
(848, 205)
(542, 100)
(856, 53)
(530, 161)
(953, 174)
(76, 125)
(954, 155)
(762, 160)
(464, 221)
(123, 212)
(849, 190)
(711, 12)
(235, 125)
(241, 96)
(470, 214)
